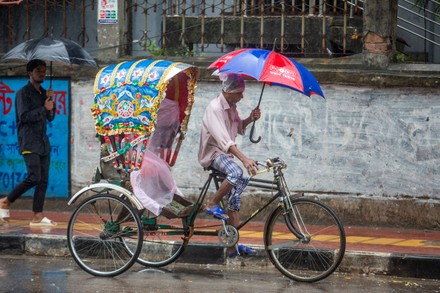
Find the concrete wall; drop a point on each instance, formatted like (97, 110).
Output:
(358, 142)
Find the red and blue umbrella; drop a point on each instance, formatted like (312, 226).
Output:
(269, 67)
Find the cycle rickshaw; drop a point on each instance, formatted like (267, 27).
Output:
(113, 226)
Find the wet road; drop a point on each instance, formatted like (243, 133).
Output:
(43, 274)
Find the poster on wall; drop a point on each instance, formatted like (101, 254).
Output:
(12, 167)
(108, 11)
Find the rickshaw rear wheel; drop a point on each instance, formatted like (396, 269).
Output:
(104, 235)
(163, 240)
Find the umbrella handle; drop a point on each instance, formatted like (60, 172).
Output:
(252, 134)
(253, 124)
(50, 74)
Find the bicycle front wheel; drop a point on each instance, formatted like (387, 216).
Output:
(104, 235)
(317, 248)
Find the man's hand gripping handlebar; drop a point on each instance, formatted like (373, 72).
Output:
(269, 164)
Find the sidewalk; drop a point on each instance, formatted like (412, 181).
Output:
(403, 253)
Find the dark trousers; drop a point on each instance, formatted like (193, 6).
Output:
(38, 175)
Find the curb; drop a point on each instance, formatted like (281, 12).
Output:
(34, 244)
(399, 265)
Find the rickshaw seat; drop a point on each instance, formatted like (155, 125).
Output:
(127, 158)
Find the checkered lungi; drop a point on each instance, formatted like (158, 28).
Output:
(234, 175)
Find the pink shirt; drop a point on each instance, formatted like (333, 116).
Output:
(220, 126)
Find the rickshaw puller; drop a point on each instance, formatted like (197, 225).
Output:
(220, 126)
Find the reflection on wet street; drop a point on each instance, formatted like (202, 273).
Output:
(44, 274)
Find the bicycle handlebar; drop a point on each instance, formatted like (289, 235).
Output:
(272, 163)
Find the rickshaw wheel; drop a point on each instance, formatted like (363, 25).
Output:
(104, 235)
(163, 240)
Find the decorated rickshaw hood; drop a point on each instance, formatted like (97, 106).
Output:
(128, 95)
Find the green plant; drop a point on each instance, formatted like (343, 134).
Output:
(400, 57)
(154, 49)
(184, 50)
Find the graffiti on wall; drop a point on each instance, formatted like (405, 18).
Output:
(12, 167)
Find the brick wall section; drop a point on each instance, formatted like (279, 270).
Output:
(375, 44)
(380, 20)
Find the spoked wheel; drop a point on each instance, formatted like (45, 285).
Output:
(163, 240)
(100, 230)
(318, 253)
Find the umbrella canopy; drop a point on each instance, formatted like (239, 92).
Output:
(270, 67)
(53, 50)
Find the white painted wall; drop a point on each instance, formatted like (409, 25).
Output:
(367, 141)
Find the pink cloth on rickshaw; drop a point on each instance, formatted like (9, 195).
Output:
(154, 184)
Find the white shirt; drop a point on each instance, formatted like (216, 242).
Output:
(220, 126)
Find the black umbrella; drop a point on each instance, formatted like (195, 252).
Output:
(53, 50)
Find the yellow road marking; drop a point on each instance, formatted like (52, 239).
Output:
(279, 235)
(383, 241)
(358, 239)
(25, 224)
(351, 239)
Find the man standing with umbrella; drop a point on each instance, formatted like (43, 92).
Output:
(220, 126)
(34, 107)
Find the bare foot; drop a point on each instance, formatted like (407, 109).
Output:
(37, 217)
(4, 214)
(4, 203)
(208, 206)
(231, 250)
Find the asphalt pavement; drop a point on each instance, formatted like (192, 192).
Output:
(54, 274)
(370, 250)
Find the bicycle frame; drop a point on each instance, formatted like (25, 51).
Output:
(278, 184)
